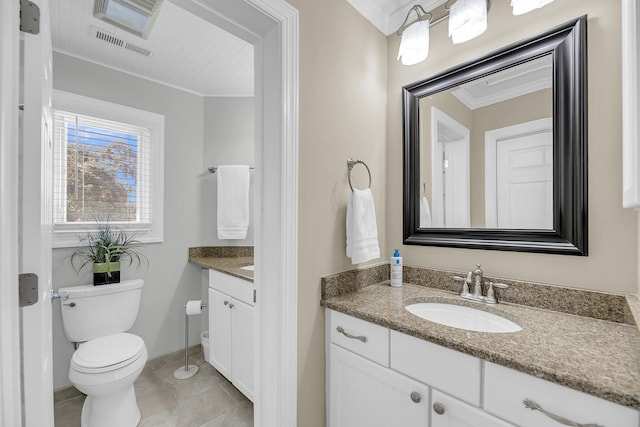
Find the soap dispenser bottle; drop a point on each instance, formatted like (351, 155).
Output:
(396, 269)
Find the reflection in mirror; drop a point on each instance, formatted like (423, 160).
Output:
(487, 151)
(495, 150)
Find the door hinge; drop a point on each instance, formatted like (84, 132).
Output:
(27, 289)
(254, 295)
(29, 17)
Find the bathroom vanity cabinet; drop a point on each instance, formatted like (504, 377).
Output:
(231, 314)
(381, 377)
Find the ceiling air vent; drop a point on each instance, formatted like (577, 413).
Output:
(112, 39)
(137, 49)
(106, 37)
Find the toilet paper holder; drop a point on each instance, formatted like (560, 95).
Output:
(191, 308)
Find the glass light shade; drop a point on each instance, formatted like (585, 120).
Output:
(414, 46)
(521, 7)
(467, 20)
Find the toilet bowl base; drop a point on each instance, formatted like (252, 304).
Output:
(119, 409)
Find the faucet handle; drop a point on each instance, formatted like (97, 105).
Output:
(458, 278)
(491, 298)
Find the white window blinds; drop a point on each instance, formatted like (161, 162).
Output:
(107, 167)
(102, 170)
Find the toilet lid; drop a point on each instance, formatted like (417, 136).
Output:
(107, 353)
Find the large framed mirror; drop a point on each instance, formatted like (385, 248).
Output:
(495, 150)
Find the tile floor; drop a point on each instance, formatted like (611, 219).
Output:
(205, 400)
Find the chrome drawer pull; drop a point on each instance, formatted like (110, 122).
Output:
(348, 335)
(438, 408)
(530, 404)
(416, 397)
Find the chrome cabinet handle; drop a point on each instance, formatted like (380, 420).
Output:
(348, 335)
(438, 408)
(416, 397)
(230, 305)
(226, 303)
(530, 404)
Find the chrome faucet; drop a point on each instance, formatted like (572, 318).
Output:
(475, 278)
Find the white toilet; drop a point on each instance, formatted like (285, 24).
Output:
(108, 359)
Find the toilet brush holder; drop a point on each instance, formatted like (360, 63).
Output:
(187, 371)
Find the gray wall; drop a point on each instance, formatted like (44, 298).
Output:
(170, 279)
(229, 135)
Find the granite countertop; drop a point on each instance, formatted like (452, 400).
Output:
(225, 259)
(595, 356)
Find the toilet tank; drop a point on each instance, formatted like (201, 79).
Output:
(96, 311)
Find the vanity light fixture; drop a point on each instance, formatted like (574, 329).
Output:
(135, 16)
(467, 20)
(521, 7)
(414, 45)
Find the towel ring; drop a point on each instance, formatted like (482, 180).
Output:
(351, 163)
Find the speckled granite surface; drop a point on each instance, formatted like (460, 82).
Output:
(598, 357)
(226, 259)
(599, 305)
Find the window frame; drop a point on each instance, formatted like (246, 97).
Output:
(66, 235)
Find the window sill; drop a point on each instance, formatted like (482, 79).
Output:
(70, 237)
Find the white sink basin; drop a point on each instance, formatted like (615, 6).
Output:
(247, 268)
(462, 317)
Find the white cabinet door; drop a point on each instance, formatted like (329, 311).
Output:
(365, 394)
(242, 347)
(220, 332)
(447, 411)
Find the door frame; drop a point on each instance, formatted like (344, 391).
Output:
(438, 207)
(272, 27)
(10, 389)
(491, 139)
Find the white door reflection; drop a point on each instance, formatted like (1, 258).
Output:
(519, 176)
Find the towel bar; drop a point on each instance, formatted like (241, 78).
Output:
(213, 169)
(351, 163)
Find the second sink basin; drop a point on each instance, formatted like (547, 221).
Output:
(462, 317)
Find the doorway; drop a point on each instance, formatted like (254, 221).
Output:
(272, 27)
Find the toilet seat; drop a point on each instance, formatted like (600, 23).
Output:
(108, 353)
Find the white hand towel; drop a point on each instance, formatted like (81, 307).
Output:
(362, 230)
(233, 201)
(425, 213)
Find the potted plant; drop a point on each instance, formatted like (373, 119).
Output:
(105, 248)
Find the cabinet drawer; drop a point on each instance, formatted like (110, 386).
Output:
(505, 390)
(374, 344)
(232, 286)
(448, 370)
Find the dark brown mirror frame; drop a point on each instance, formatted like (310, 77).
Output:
(568, 47)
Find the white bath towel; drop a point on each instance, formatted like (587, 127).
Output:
(233, 201)
(362, 230)
(425, 213)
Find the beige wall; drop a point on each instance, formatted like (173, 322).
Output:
(343, 68)
(613, 231)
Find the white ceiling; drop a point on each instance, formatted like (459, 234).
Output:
(187, 52)
(387, 15)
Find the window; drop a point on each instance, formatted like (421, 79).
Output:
(108, 164)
